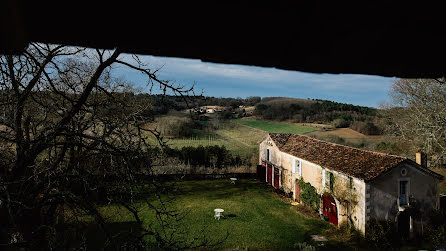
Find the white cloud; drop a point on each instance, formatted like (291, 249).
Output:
(212, 76)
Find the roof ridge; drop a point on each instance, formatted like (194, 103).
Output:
(288, 137)
(351, 161)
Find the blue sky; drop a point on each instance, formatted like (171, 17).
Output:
(224, 80)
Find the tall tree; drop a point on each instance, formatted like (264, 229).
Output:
(68, 132)
(418, 115)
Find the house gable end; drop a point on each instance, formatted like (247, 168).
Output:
(270, 142)
(413, 165)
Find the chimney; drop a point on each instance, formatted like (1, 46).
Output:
(421, 158)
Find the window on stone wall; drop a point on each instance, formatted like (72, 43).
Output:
(327, 179)
(297, 167)
(331, 181)
(403, 193)
(268, 157)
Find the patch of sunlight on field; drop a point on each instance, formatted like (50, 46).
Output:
(345, 133)
(255, 217)
(348, 135)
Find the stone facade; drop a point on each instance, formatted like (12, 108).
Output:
(313, 174)
(383, 194)
(377, 198)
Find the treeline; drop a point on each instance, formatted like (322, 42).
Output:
(162, 104)
(359, 118)
(312, 111)
(229, 102)
(207, 156)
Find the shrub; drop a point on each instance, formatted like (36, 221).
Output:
(371, 129)
(368, 128)
(176, 127)
(260, 108)
(308, 194)
(381, 234)
(341, 123)
(388, 147)
(351, 233)
(435, 235)
(435, 232)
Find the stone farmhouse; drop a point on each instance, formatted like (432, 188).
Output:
(354, 185)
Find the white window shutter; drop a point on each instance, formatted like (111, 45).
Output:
(323, 177)
(300, 168)
(294, 166)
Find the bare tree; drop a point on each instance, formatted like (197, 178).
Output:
(418, 116)
(71, 140)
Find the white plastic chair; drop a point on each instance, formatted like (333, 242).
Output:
(218, 213)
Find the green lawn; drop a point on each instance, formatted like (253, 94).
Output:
(277, 127)
(255, 216)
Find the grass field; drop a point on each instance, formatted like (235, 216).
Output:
(349, 137)
(237, 138)
(347, 134)
(275, 127)
(255, 216)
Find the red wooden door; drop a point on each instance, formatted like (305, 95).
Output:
(329, 209)
(276, 177)
(263, 176)
(269, 174)
(297, 192)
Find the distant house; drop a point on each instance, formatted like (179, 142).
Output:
(198, 110)
(382, 186)
(210, 110)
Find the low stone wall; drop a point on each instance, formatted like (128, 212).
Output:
(179, 168)
(166, 177)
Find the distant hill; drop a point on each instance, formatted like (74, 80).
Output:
(285, 101)
(359, 118)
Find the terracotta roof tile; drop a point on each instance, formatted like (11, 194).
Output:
(358, 163)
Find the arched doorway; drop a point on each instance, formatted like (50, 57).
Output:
(297, 192)
(329, 208)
